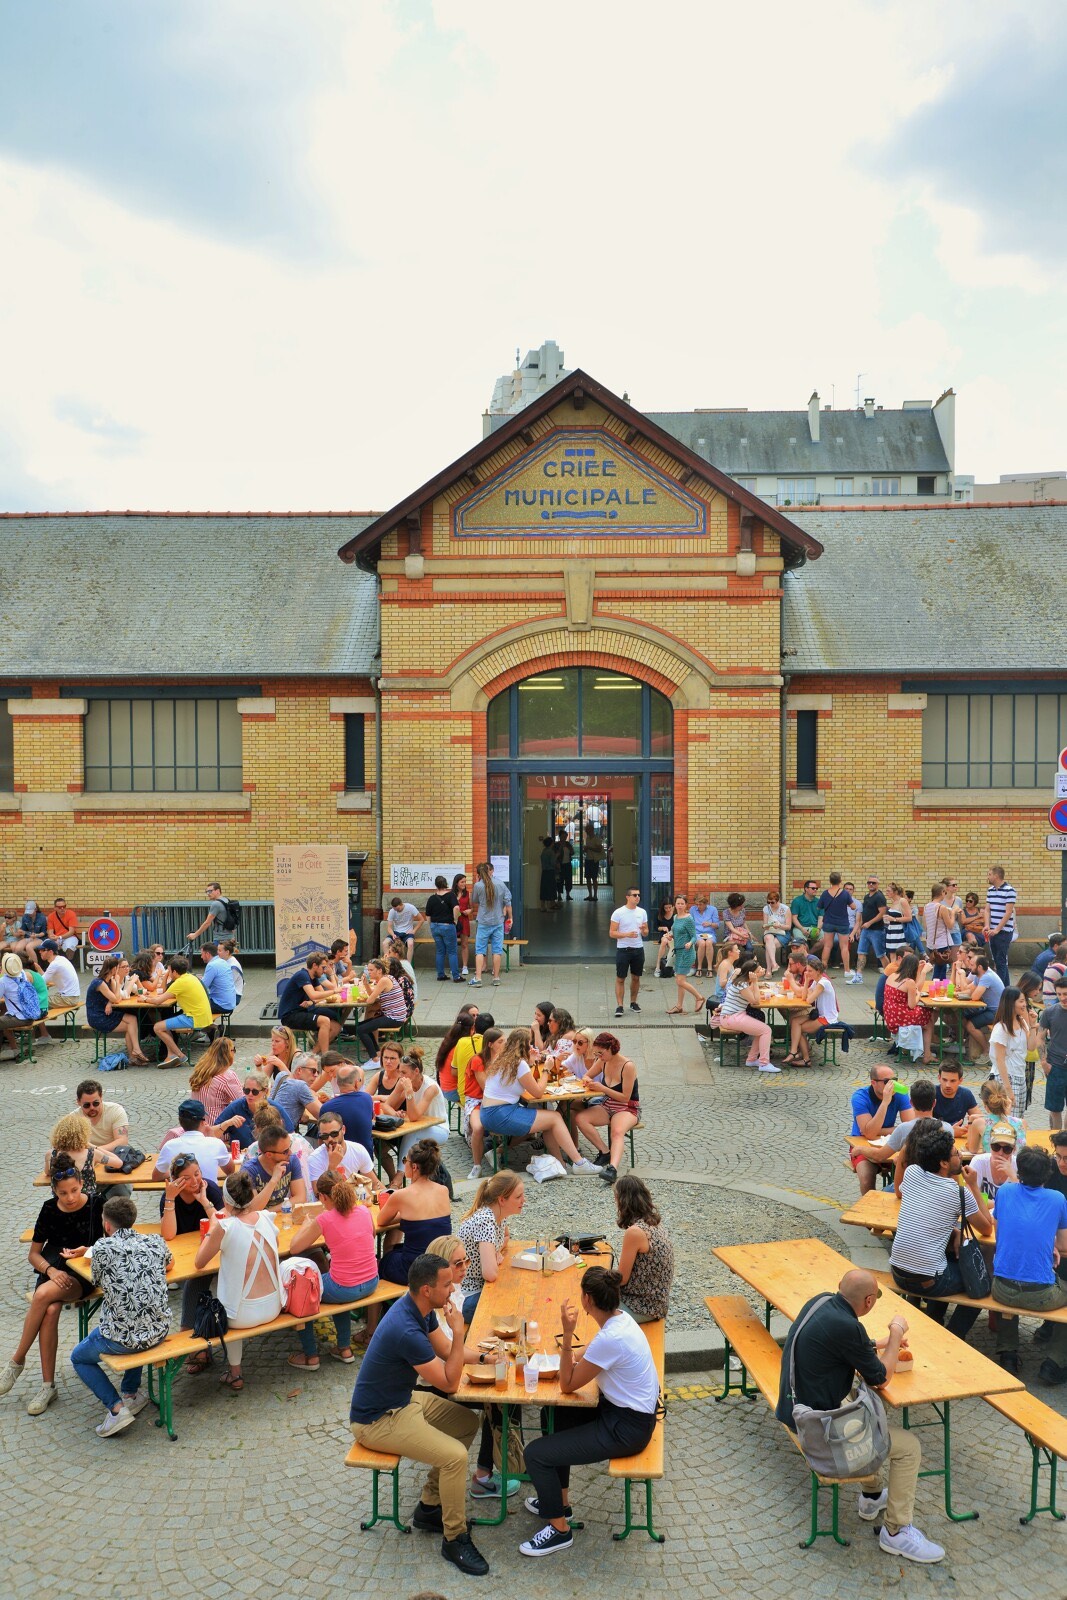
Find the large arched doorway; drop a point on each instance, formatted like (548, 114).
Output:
(586, 753)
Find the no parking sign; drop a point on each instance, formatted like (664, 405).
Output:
(104, 934)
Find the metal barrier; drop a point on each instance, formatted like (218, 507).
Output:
(169, 925)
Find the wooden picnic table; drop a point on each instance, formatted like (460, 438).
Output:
(533, 1297)
(140, 1178)
(789, 1272)
(943, 1005)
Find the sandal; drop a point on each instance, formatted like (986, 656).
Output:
(789, 1059)
(676, 1011)
(198, 1363)
(228, 1381)
(308, 1363)
(335, 1355)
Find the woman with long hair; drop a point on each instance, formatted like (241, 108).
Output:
(684, 946)
(742, 991)
(415, 1214)
(473, 1089)
(71, 1145)
(646, 1258)
(491, 909)
(213, 1079)
(542, 1016)
(623, 1421)
(103, 1000)
(386, 1004)
(1009, 1041)
(511, 1083)
(900, 1002)
(463, 926)
(249, 1286)
(461, 1028)
(484, 1231)
(348, 1229)
(283, 1051)
(614, 1077)
(995, 1108)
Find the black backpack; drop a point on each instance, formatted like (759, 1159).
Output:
(210, 1320)
(232, 912)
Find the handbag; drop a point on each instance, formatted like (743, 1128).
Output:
(849, 1441)
(973, 1267)
(210, 1320)
(384, 1123)
(301, 1286)
(129, 1156)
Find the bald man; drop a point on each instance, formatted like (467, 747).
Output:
(832, 1347)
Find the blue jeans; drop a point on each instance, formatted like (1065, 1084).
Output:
(948, 1281)
(445, 948)
(85, 1359)
(999, 945)
(334, 1293)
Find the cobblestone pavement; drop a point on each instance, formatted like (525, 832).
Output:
(254, 1498)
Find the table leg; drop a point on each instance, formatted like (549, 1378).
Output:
(1037, 1452)
(493, 1522)
(944, 1421)
(823, 1533)
(728, 1384)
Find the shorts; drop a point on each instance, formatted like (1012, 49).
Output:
(804, 935)
(1056, 1089)
(629, 960)
(489, 939)
(983, 1018)
(782, 937)
(510, 1122)
(299, 1021)
(872, 942)
(174, 1024)
(592, 870)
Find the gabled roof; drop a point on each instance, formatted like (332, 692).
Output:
(576, 383)
(940, 589)
(142, 596)
(746, 443)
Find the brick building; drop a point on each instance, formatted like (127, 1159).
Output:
(582, 623)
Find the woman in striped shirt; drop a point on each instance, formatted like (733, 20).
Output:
(213, 1080)
(742, 991)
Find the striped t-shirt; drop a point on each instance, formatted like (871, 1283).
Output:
(734, 1001)
(929, 1210)
(998, 901)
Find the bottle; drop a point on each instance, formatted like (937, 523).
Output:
(235, 1149)
(287, 1206)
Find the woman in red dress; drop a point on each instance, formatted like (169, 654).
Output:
(463, 926)
(900, 1003)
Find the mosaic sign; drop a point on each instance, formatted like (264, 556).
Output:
(578, 482)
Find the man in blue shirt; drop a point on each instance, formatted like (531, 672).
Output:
(353, 1105)
(1031, 1226)
(300, 1005)
(986, 986)
(874, 1111)
(276, 1171)
(953, 1102)
(218, 980)
(388, 1413)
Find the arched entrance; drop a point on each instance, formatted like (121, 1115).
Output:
(585, 752)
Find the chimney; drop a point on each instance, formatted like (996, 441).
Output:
(868, 407)
(813, 416)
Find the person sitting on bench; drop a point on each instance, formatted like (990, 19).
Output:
(249, 1285)
(929, 1222)
(1031, 1239)
(826, 1354)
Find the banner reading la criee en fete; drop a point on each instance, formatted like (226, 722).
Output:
(310, 902)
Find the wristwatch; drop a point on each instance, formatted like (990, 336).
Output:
(481, 1358)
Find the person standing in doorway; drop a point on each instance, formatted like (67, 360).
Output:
(629, 929)
(491, 909)
(593, 852)
(549, 886)
(566, 864)
(999, 920)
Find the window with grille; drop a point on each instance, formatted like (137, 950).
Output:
(992, 741)
(163, 746)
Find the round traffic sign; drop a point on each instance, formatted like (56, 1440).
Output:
(1063, 760)
(104, 933)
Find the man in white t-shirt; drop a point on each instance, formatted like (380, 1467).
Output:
(629, 929)
(59, 975)
(345, 1155)
(402, 921)
(211, 1154)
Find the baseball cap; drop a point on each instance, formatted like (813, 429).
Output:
(49, 944)
(192, 1108)
(1003, 1133)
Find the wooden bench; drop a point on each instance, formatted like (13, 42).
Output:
(1046, 1434)
(377, 1462)
(878, 1031)
(170, 1356)
(885, 1280)
(496, 1145)
(67, 1015)
(23, 1032)
(647, 1466)
(761, 1359)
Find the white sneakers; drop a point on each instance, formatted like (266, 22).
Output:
(871, 1506)
(11, 1375)
(854, 977)
(767, 1066)
(474, 1175)
(135, 1403)
(114, 1422)
(42, 1399)
(585, 1166)
(911, 1544)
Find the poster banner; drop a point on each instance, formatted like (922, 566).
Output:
(417, 877)
(310, 902)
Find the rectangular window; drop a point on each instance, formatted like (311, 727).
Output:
(807, 749)
(7, 750)
(885, 485)
(842, 485)
(926, 484)
(355, 753)
(796, 491)
(163, 746)
(747, 483)
(992, 741)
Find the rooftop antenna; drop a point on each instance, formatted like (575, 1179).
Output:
(859, 379)
(517, 359)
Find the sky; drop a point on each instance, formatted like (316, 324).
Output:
(260, 255)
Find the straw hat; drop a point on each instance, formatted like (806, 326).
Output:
(12, 966)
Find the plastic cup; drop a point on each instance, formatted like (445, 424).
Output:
(205, 1227)
(530, 1377)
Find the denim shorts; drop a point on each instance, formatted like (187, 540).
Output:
(872, 942)
(174, 1024)
(489, 939)
(510, 1122)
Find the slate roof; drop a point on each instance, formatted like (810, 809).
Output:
(175, 596)
(954, 589)
(745, 443)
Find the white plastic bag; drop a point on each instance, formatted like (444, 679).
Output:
(543, 1168)
(910, 1038)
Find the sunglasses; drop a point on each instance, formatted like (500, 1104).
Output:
(255, 1093)
(91, 1105)
(1003, 1149)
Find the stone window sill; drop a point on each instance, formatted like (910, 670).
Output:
(354, 801)
(806, 800)
(129, 804)
(984, 799)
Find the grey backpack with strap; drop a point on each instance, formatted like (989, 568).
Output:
(852, 1440)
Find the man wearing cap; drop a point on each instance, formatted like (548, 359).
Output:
(1031, 1237)
(997, 1168)
(60, 978)
(211, 1154)
(872, 928)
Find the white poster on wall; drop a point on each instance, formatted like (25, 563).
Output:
(661, 869)
(417, 876)
(501, 866)
(310, 902)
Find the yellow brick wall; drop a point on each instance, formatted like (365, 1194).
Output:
(870, 773)
(293, 769)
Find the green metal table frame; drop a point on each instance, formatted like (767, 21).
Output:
(943, 1411)
(392, 1516)
(1040, 1455)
